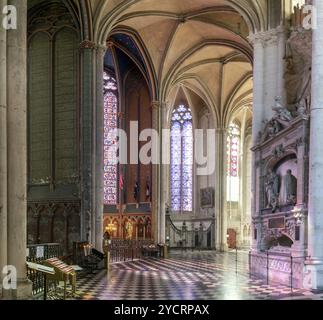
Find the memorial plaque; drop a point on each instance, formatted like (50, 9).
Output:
(277, 223)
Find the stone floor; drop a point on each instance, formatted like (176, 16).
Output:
(185, 276)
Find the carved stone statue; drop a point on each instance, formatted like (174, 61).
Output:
(272, 187)
(283, 115)
(302, 107)
(271, 128)
(298, 66)
(274, 127)
(290, 182)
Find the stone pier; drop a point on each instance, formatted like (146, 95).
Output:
(314, 278)
(14, 118)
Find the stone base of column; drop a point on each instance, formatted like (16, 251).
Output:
(5, 294)
(23, 291)
(313, 274)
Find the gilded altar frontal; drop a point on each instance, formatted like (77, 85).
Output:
(161, 150)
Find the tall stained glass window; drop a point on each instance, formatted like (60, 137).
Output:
(233, 156)
(182, 160)
(110, 144)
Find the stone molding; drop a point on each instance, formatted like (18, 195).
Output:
(267, 38)
(90, 45)
(87, 44)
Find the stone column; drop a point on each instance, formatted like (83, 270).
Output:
(315, 214)
(3, 148)
(271, 62)
(221, 215)
(17, 148)
(155, 186)
(87, 111)
(164, 171)
(258, 86)
(281, 51)
(258, 116)
(99, 170)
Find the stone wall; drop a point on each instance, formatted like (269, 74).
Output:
(53, 126)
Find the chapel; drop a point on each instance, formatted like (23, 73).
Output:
(161, 135)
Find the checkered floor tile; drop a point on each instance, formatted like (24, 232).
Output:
(184, 276)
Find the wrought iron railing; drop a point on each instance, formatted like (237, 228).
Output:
(129, 250)
(267, 264)
(181, 237)
(38, 254)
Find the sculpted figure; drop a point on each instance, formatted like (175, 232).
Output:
(302, 107)
(272, 186)
(290, 188)
(282, 114)
(298, 66)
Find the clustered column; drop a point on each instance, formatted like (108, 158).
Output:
(315, 214)
(92, 56)
(221, 217)
(159, 121)
(87, 145)
(3, 148)
(258, 116)
(13, 142)
(99, 170)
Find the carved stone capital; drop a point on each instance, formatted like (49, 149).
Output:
(87, 44)
(156, 105)
(101, 50)
(265, 38)
(221, 130)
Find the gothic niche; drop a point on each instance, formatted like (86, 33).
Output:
(281, 184)
(278, 241)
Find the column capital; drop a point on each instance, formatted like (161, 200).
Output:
(266, 38)
(87, 44)
(101, 49)
(90, 45)
(222, 130)
(156, 105)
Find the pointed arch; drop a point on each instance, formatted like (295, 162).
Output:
(182, 159)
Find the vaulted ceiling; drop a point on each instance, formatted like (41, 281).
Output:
(201, 45)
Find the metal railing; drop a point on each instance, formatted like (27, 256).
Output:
(269, 263)
(38, 254)
(129, 250)
(189, 239)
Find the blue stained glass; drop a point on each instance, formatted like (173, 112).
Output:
(182, 159)
(110, 178)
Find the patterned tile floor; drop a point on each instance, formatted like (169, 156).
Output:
(184, 276)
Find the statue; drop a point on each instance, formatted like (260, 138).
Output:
(298, 66)
(273, 128)
(272, 186)
(290, 188)
(302, 107)
(283, 115)
(129, 230)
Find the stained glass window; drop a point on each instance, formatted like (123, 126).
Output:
(233, 156)
(182, 160)
(110, 144)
